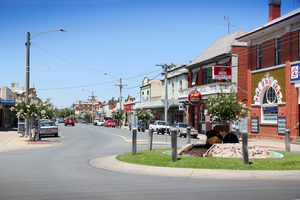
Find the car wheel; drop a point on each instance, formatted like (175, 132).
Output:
(178, 134)
(56, 135)
(157, 131)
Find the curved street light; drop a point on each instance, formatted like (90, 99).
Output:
(28, 67)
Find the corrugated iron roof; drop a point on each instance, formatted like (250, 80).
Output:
(221, 47)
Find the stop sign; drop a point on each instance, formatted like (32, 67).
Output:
(194, 97)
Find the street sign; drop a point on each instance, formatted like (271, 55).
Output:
(167, 103)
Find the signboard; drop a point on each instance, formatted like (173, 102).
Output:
(128, 107)
(295, 70)
(281, 124)
(167, 103)
(7, 101)
(134, 122)
(221, 72)
(194, 97)
(254, 124)
(182, 107)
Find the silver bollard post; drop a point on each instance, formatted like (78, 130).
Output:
(174, 144)
(150, 139)
(134, 132)
(237, 133)
(245, 147)
(188, 135)
(287, 140)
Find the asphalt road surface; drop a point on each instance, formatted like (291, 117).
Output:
(62, 172)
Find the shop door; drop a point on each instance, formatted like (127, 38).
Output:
(202, 125)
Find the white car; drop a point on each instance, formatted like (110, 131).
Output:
(100, 122)
(96, 120)
(182, 130)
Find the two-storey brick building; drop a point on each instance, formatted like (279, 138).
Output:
(272, 76)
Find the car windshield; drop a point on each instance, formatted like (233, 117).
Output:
(161, 123)
(183, 125)
(110, 121)
(48, 124)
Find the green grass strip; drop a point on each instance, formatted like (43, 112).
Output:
(290, 161)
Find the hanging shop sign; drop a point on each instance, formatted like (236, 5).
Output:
(267, 82)
(295, 70)
(221, 72)
(194, 97)
(128, 107)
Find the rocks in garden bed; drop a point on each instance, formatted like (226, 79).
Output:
(234, 150)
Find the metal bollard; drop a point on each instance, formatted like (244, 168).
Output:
(150, 139)
(287, 140)
(245, 147)
(134, 132)
(174, 144)
(188, 135)
(237, 133)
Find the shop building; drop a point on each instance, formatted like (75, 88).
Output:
(216, 69)
(272, 75)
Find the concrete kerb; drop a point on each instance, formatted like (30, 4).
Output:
(110, 163)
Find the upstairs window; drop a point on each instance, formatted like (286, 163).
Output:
(208, 76)
(195, 77)
(278, 51)
(259, 56)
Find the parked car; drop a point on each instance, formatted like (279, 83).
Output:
(182, 130)
(138, 126)
(96, 120)
(48, 128)
(100, 122)
(61, 120)
(160, 127)
(69, 121)
(110, 123)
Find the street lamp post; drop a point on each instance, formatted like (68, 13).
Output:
(28, 68)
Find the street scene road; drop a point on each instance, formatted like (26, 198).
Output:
(62, 171)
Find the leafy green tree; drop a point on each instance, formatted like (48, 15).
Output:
(225, 107)
(118, 115)
(112, 101)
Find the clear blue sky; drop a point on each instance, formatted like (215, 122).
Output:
(124, 38)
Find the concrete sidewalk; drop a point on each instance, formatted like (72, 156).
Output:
(11, 140)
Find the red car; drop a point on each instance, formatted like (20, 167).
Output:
(110, 123)
(69, 121)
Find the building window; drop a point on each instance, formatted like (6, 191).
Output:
(269, 106)
(195, 77)
(173, 90)
(147, 92)
(278, 51)
(180, 85)
(259, 56)
(208, 76)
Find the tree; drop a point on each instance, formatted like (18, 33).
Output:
(118, 115)
(33, 108)
(144, 115)
(112, 101)
(224, 107)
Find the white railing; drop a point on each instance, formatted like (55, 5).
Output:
(207, 90)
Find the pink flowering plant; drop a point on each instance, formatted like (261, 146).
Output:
(225, 107)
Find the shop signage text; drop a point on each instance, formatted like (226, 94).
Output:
(295, 76)
(221, 72)
(267, 82)
(194, 97)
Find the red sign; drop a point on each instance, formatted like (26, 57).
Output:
(221, 72)
(128, 107)
(194, 97)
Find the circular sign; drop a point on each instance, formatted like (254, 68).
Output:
(194, 97)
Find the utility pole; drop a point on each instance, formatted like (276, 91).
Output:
(166, 67)
(121, 86)
(93, 106)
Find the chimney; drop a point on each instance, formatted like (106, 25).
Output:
(274, 9)
(13, 87)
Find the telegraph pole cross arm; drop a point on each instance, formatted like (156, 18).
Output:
(121, 86)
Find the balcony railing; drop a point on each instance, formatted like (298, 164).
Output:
(207, 90)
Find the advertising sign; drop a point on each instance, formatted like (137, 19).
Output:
(221, 72)
(295, 72)
(182, 107)
(194, 97)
